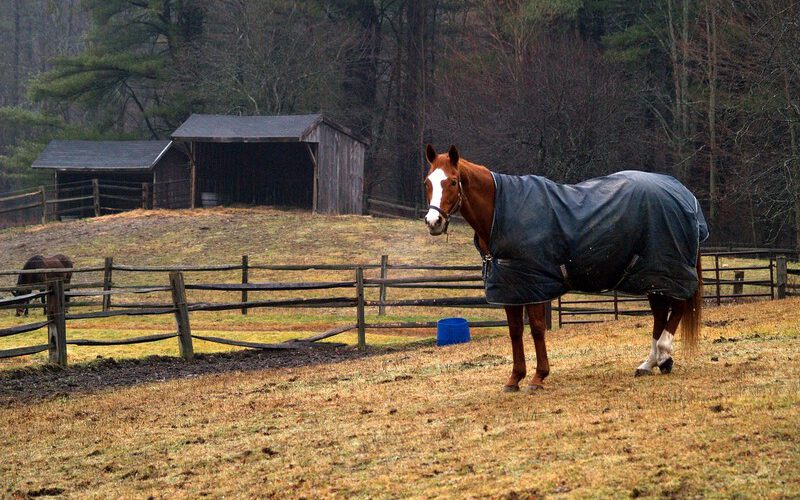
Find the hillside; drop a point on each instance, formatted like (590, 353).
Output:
(223, 235)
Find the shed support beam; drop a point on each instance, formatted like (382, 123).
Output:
(194, 175)
(315, 189)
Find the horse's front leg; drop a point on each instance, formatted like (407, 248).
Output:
(537, 315)
(516, 327)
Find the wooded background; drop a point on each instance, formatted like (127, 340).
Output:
(705, 90)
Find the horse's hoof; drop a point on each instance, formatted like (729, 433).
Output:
(534, 388)
(510, 388)
(641, 372)
(666, 366)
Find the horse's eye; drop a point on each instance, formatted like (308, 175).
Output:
(453, 182)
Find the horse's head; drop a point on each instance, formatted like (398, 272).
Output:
(442, 188)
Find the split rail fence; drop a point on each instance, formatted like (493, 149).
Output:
(723, 283)
(88, 198)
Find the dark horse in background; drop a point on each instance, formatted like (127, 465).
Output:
(33, 281)
(632, 231)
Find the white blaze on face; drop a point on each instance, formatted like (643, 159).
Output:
(436, 178)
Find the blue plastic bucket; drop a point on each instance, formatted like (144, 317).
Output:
(452, 331)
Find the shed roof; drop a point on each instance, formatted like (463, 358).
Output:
(101, 155)
(229, 128)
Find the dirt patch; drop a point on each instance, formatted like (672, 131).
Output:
(30, 384)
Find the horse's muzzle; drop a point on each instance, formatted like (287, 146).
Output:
(437, 227)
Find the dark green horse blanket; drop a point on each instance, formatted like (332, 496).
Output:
(635, 232)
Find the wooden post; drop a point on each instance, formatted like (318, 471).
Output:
(315, 185)
(716, 275)
(384, 275)
(44, 204)
(181, 315)
(96, 195)
(362, 337)
(145, 196)
(193, 185)
(245, 267)
(57, 329)
(108, 267)
(548, 315)
(781, 275)
(772, 276)
(616, 305)
(738, 285)
(560, 324)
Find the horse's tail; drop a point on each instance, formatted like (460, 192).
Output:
(691, 322)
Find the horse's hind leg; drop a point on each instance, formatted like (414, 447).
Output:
(516, 327)
(659, 305)
(664, 344)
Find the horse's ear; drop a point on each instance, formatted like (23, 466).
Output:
(430, 153)
(453, 154)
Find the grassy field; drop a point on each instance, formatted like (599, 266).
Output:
(221, 236)
(404, 418)
(427, 421)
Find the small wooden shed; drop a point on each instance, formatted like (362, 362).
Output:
(116, 164)
(304, 161)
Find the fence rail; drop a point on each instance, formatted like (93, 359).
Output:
(84, 198)
(571, 309)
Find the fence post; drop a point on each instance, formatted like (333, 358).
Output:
(145, 195)
(96, 196)
(108, 267)
(245, 266)
(44, 204)
(362, 337)
(616, 305)
(57, 328)
(181, 315)
(548, 315)
(782, 276)
(560, 324)
(384, 275)
(738, 285)
(716, 275)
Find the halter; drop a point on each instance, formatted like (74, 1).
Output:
(453, 210)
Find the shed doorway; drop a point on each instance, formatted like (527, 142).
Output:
(262, 173)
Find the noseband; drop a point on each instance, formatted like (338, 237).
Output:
(453, 210)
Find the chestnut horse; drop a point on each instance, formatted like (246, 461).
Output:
(454, 184)
(39, 262)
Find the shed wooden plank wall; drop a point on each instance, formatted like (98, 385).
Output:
(340, 163)
(171, 181)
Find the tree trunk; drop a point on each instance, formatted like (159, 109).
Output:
(411, 110)
(792, 117)
(15, 79)
(711, 32)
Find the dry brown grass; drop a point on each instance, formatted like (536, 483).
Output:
(433, 422)
(411, 422)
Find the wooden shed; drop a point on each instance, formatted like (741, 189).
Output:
(116, 165)
(304, 161)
